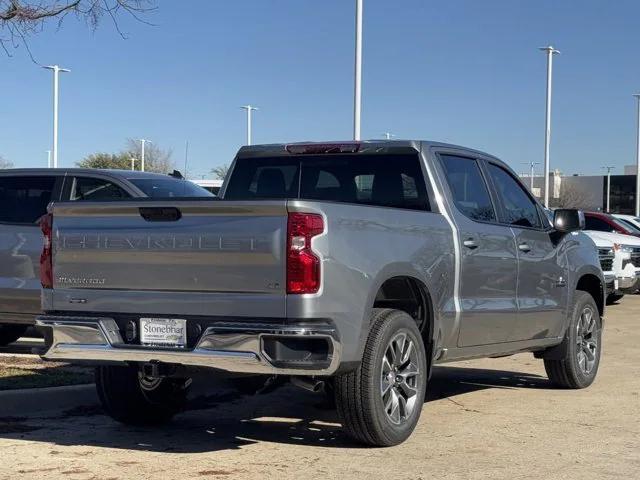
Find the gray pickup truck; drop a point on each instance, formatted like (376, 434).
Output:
(353, 265)
(24, 196)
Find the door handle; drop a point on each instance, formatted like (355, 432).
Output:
(470, 243)
(160, 214)
(523, 247)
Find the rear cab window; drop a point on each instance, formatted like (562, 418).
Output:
(24, 200)
(384, 180)
(169, 187)
(95, 189)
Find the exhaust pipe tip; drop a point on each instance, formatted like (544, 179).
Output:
(307, 383)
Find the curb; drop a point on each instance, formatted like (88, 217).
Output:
(36, 401)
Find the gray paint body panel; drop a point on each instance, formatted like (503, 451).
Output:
(476, 308)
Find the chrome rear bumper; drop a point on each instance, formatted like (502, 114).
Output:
(233, 347)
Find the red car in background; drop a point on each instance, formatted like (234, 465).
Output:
(603, 222)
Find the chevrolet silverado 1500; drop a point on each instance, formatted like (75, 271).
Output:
(355, 264)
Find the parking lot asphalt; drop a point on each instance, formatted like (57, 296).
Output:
(484, 419)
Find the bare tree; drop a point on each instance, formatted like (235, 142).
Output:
(571, 196)
(156, 159)
(4, 163)
(21, 19)
(220, 171)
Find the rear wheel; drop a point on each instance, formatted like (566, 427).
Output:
(10, 333)
(130, 397)
(578, 365)
(380, 402)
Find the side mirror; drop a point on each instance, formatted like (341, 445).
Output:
(568, 220)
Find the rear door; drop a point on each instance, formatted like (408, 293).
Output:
(488, 258)
(23, 200)
(542, 278)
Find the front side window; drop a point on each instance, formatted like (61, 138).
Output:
(468, 188)
(519, 209)
(95, 189)
(24, 199)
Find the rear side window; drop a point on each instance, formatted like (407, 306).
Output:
(24, 199)
(468, 188)
(383, 180)
(95, 189)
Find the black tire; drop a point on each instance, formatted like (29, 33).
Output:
(358, 394)
(133, 400)
(10, 333)
(576, 368)
(614, 297)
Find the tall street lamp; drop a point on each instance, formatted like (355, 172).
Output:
(357, 90)
(249, 109)
(637, 96)
(608, 169)
(547, 133)
(143, 141)
(56, 71)
(48, 158)
(531, 172)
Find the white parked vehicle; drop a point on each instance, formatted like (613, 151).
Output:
(630, 220)
(620, 261)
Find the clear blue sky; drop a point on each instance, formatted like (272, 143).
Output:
(466, 72)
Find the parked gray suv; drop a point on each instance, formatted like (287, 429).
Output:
(24, 196)
(357, 265)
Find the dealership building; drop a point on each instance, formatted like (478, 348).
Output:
(589, 192)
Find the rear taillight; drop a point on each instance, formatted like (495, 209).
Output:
(303, 265)
(46, 258)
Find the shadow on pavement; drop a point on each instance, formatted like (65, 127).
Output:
(226, 420)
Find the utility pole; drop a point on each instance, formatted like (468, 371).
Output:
(608, 168)
(143, 141)
(48, 158)
(249, 109)
(637, 96)
(56, 72)
(547, 133)
(357, 90)
(133, 162)
(531, 172)
(388, 135)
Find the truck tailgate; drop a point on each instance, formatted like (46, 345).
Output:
(149, 251)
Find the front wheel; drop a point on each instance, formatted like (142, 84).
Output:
(380, 402)
(577, 367)
(130, 397)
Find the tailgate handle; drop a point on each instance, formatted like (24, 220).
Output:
(160, 214)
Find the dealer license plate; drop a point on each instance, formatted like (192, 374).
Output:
(163, 332)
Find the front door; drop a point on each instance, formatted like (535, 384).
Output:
(488, 256)
(542, 282)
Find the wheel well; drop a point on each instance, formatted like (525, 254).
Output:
(411, 296)
(591, 284)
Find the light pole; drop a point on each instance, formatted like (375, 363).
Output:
(143, 141)
(531, 166)
(547, 133)
(357, 90)
(56, 71)
(637, 96)
(48, 158)
(249, 109)
(608, 184)
(388, 135)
